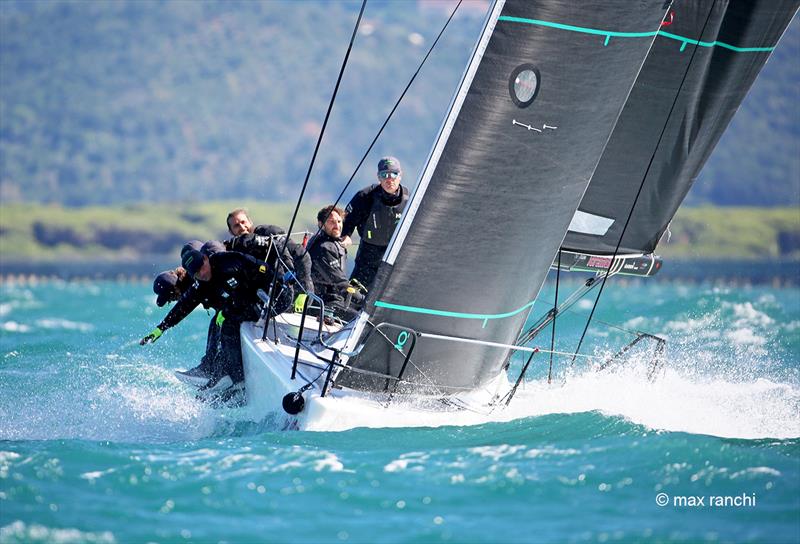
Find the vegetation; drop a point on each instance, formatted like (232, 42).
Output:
(36, 234)
(757, 233)
(143, 101)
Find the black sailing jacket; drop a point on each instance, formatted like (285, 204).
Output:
(258, 245)
(375, 214)
(328, 265)
(235, 280)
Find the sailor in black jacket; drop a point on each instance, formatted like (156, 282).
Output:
(177, 285)
(265, 242)
(235, 278)
(329, 257)
(374, 212)
(227, 281)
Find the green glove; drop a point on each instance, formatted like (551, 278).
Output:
(220, 319)
(299, 302)
(154, 335)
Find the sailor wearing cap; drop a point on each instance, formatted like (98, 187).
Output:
(226, 282)
(374, 212)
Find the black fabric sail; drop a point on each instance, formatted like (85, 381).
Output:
(703, 62)
(526, 129)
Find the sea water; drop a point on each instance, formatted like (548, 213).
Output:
(100, 443)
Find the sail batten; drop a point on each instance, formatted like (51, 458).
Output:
(507, 173)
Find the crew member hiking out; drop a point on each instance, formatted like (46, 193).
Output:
(178, 285)
(235, 278)
(374, 212)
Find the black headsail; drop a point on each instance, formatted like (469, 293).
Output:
(526, 130)
(703, 62)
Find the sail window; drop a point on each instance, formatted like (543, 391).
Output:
(588, 223)
(524, 85)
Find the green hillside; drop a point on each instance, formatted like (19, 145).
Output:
(45, 233)
(124, 101)
(728, 232)
(35, 234)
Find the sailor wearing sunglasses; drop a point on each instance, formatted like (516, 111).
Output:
(374, 212)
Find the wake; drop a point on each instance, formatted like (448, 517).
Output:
(679, 400)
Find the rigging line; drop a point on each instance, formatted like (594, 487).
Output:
(612, 326)
(391, 113)
(569, 354)
(555, 316)
(316, 147)
(595, 320)
(644, 179)
(325, 123)
(421, 372)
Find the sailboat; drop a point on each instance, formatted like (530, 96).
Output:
(571, 140)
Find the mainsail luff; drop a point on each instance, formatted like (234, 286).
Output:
(501, 195)
(693, 81)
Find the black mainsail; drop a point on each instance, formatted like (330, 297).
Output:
(529, 123)
(703, 62)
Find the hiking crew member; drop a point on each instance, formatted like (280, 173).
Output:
(233, 279)
(179, 285)
(374, 212)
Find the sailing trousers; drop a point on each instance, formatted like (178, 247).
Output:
(228, 356)
(212, 341)
(368, 259)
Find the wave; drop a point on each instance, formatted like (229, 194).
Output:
(679, 400)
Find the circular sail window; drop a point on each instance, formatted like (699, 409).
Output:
(524, 85)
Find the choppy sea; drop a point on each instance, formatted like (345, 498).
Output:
(100, 443)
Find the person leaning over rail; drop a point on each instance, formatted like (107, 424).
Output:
(234, 278)
(374, 212)
(178, 285)
(329, 263)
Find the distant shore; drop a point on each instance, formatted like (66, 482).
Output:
(774, 272)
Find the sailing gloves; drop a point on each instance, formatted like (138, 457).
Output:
(300, 302)
(154, 335)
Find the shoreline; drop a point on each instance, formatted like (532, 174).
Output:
(776, 273)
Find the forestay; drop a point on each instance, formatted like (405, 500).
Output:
(703, 62)
(524, 134)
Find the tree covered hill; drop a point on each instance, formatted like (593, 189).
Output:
(164, 101)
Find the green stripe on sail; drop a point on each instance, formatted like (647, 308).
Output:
(612, 34)
(447, 313)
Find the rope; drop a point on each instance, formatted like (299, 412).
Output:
(388, 118)
(555, 316)
(570, 354)
(314, 156)
(641, 186)
(325, 123)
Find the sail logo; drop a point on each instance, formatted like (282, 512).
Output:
(545, 126)
(599, 262)
(402, 338)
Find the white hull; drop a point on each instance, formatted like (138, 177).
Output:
(268, 368)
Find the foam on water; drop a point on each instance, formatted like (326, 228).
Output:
(677, 401)
(674, 402)
(723, 376)
(120, 402)
(21, 532)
